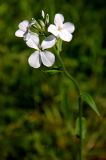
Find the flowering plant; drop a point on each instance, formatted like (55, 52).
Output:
(51, 34)
(44, 37)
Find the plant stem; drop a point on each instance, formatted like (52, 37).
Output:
(79, 103)
(69, 76)
(80, 127)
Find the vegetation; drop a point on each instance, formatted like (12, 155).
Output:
(38, 109)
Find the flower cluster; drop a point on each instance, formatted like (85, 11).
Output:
(48, 33)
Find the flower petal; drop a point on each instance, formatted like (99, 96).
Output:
(32, 40)
(19, 33)
(34, 60)
(65, 36)
(47, 58)
(23, 25)
(69, 27)
(53, 29)
(49, 42)
(32, 35)
(58, 20)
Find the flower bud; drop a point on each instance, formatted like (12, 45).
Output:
(42, 23)
(37, 25)
(47, 19)
(32, 22)
(43, 14)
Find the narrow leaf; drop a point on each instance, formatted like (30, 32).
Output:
(53, 70)
(89, 100)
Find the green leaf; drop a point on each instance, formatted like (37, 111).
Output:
(89, 100)
(53, 70)
(84, 127)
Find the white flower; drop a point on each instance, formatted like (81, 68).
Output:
(23, 27)
(60, 29)
(24, 32)
(41, 55)
(30, 35)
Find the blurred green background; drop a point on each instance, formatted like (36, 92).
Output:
(38, 110)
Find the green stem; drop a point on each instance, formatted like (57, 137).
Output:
(69, 76)
(80, 127)
(79, 102)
